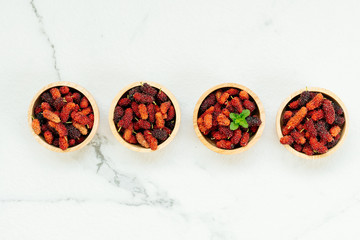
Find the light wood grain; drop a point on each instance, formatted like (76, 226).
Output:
(327, 94)
(36, 100)
(137, 147)
(208, 142)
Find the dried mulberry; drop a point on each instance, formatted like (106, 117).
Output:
(148, 90)
(287, 140)
(36, 126)
(64, 90)
(223, 120)
(135, 108)
(59, 103)
(298, 137)
(253, 121)
(339, 120)
(333, 142)
(307, 150)
(218, 95)
(76, 97)
(304, 98)
(224, 144)
(141, 140)
(66, 110)
(338, 109)
(83, 130)
(287, 115)
(249, 105)
(294, 104)
(151, 112)
(143, 98)
(49, 115)
(317, 146)
(335, 130)
(55, 93)
(236, 137)
(236, 103)
(78, 117)
(126, 119)
(310, 127)
(298, 147)
(73, 132)
(323, 133)
(315, 102)
(226, 112)
(329, 111)
(46, 97)
(218, 136)
(153, 143)
(317, 115)
(160, 134)
(123, 102)
(46, 106)
(142, 124)
(86, 111)
(233, 91)
(72, 142)
(226, 131)
(244, 95)
(63, 143)
(133, 91)
(295, 120)
(244, 139)
(143, 111)
(48, 137)
(160, 123)
(171, 113)
(84, 103)
(164, 107)
(223, 98)
(208, 121)
(208, 102)
(161, 96)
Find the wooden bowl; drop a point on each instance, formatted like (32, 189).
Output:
(259, 111)
(327, 94)
(135, 147)
(36, 100)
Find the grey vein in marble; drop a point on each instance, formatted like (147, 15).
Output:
(44, 32)
(127, 181)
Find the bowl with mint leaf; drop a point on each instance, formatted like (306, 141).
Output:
(229, 118)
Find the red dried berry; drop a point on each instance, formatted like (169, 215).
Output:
(298, 137)
(310, 127)
(317, 115)
(141, 140)
(249, 105)
(118, 113)
(244, 139)
(335, 130)
(63, 143)
(224, 144)
(232, 91)
(237, 137)
(160, 123)
(286, 140)
(143, 124)
(323, 133)
(171, 113)
(64, 90)
(55, 93)
(76, 97)
(253, 121)
(143, 111)
(46, 97)
(45, 106)
(294, 121)
(49, 115)
(243, 95)
(236, 103)
(48, 136)
(208, 121)
(317, 146)
(294, 105)
(298, 147)
(161, 96)
(226, 131)
(123, 102)
(218, 136)
(329, 111)
(315, 102)
(36, 126)
(151, 112)
(82, 119)
(208, 102)
(160, 134)
(151, 140)
(339, 120)
(143, 98)
(71, 142)
(126, 119)
(307, 150)
(84, 103)
(148, 90)
(223, 98)
(304, 98)
(66, 110)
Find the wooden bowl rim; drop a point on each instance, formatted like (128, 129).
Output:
(254, 139)
(343, 132)
(139, 148)
(93, 105)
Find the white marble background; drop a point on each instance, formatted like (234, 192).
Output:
(184, 191)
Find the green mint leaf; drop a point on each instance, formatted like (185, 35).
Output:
(243, 123)
(233, 126)
(232, 116)
(245, 113)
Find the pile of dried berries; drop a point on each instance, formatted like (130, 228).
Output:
(145, 115)
(311, 123)
(63, 118)
(228, 116)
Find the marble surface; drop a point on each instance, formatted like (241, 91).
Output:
(185, 191)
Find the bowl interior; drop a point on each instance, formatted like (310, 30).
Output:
(37, 100)
(137, 147)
